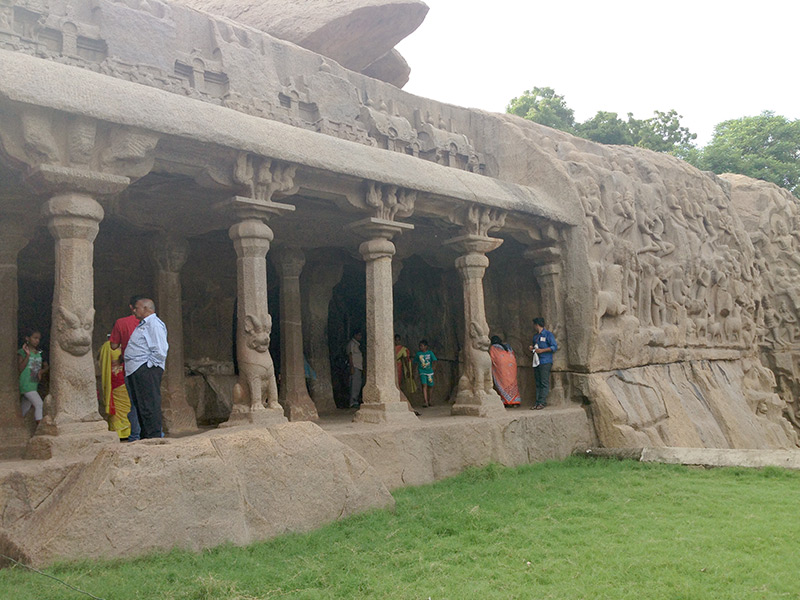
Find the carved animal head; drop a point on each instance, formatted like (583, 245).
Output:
(257, 331)
(479, 335)
(74, 332)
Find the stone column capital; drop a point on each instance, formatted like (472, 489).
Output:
(378, 248)
(549, 269)
(50, 179)
(169, 252)
(289, 261)
(375, 228)
(251, 208)
(474, 243)
(73, 215)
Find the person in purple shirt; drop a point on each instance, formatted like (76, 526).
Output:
(544, 345)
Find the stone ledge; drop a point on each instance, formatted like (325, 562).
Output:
(704, 457)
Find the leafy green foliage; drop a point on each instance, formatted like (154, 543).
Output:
(764, 147)
(543, 106)
(574, 529)
(663, 132)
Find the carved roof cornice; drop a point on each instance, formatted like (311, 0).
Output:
(27, 80)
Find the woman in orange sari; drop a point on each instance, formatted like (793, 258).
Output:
(404, 376)
(504, 372)
(116, 401)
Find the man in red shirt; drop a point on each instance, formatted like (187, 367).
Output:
(120, 334)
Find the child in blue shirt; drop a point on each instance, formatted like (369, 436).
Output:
(424, 361)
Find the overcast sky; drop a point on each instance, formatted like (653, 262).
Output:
(710, 60)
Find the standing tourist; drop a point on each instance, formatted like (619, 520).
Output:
(356, 360)
(145, 356)
(31, 367)
(504, 372)
(544, 345)
(424, 360)
(404, 375)
(120, 334)
(116, 401)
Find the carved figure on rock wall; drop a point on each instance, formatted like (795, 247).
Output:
(772, 323)
(788, 322)
(595, 221)
(623, 207)
(255, 365)
(609, 295)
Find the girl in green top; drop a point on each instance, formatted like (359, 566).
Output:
(31, 367)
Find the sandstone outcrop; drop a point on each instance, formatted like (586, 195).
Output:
(237, 485)
(358, 34)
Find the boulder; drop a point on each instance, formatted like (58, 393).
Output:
(355, 33)
(235, 485)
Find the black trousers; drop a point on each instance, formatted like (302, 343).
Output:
(145, 387)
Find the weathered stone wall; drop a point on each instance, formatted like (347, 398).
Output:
(661, 271)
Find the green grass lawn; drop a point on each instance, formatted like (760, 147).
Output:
(572, 529)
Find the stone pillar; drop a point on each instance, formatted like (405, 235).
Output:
(13, 433)
(547, 271)
(168, 254)
(293, 393)
(382, 402)
(257, 384)
(71, 419)
(476, 396)
(319, 279)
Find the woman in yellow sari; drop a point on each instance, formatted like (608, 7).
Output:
(404, 376)
(116, 401)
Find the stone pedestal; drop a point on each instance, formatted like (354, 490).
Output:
(255, 396)
(293, 393)
(13, 433)
(382, 402)
(169, 253)
(319, 279)
(71, 420)
(476, 396)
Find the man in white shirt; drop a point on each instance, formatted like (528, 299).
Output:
(356, 359)
(145, 356)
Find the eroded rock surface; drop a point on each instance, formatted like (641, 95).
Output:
(355, 33)
(238, 485)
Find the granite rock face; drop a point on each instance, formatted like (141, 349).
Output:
(358, 34)
(238, 485)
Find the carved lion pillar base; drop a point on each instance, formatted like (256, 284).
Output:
(71, 421)
(476, 396)
(255, 395)
(293, 391)
(382, 402)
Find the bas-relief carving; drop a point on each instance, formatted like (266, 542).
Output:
(74, 331)
(770, 216)
(39, 137)
(664, 252)
(234, 66)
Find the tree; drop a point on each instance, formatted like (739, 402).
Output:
(662, 132)
(543, 106)
(764, 147)
(606, 128)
